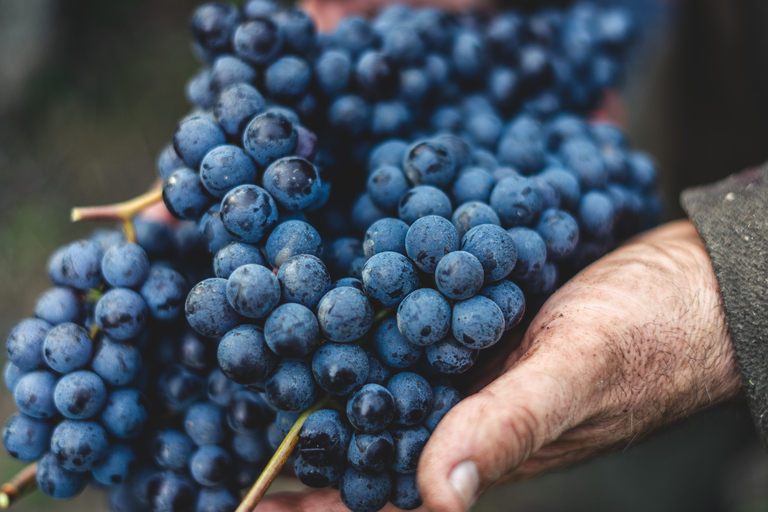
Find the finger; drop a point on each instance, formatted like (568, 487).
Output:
(490, 433)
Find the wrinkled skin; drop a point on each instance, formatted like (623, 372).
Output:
(635, 342)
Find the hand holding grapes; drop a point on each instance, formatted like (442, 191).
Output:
(635, 342)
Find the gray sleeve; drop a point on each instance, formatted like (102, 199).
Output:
(731, 217)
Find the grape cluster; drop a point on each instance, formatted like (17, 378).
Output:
(466, 189)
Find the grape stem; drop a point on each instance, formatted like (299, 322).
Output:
(278, 460)
(121, 212)
(19, 486)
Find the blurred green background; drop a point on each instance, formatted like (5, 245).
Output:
(91, 90)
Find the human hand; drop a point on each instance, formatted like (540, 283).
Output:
(633, 343)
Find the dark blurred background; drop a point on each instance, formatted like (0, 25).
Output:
(91, 90)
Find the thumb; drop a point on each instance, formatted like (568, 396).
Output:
(492, 432)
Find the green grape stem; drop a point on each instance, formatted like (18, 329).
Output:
(278, 460)
(18, 487)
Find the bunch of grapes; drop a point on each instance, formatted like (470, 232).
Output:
(170, 364)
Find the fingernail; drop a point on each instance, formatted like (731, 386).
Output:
(465, 479)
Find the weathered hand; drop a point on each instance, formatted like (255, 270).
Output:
(635, 342)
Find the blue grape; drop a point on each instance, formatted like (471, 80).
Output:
(477, 323)
(494, 248)
(339, 368)
(484, 129)
(155, 237)
(298, 28)
(403, 45)
(429, 163)
(212, 231)
(57, 482)
(387, 153)
(26, 438)
(165, 291)
(171, 449)
(171, 491)
(212, 25)
(468, 54)
(596, 213)
(228, 70)
(450, 357)
(390, 118)
(429, 239)
(378, 372)
(168, 161)
(252, 449)
(80, 395)
(389, 277)
(244, 356)
(446, 118)
(562, 128)
(342, 253)
(77, 265)
(209, 465)
(118, 364)
(472, 184)
(121, 313)
(421, 201)
(287, 78)
(58, 305)
(560, 233)
(344, 314)
(517, 201)
(531, 250)
(234, 255)
(11, 375)
(365, 212)
(415, 84)
(248, 412)
(413, 397)
(258, 41)
(125, 265)
(194, 137)
(248, 213)
(293, 182)
(216, 499)
(33, 394)
(371, 453)
(384, 235)
(116, 467)
(292, 238)
(125, 413)
(355, 35)
(290, 386)
(79, 445)
(362, 492)
(207, 309)
(459, 275)
(642, 171)
(405, 492)
(233, 108)
(25, 342)
(376, 74)
(349, 115)
(371, 409)
(317, 476)
(472, 214)
(324, 437)
(424, 317)
(485, 160)
(224, 168)
(443, 400)
(333, 69)
(510, 299)
(583, 158)
(253, 290)
(67, 347)
(409, 442)
(184, 195)
(303, 279)
(392, 347)
(220, 387)
(204, 424)
(178, 388)
(291, 330)
(270, 136)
